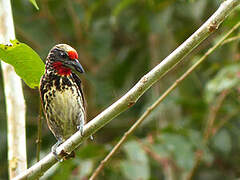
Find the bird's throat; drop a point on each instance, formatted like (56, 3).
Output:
(61, 69)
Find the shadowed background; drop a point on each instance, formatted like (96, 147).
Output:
(119, 41)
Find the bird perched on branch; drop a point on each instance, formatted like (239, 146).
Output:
(62, 95)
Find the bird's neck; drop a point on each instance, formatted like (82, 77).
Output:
(57, 68)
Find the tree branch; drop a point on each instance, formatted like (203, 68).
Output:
(15, 104)
(130, 98)
(235, 38)
(208, 131)
(157, 102)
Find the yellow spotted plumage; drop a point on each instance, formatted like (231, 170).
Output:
(61, 94)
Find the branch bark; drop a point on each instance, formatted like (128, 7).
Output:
(157, 102)
(130, 98)
(17, 159)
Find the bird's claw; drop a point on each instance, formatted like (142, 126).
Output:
(91, 137)
(80, 129)
(54, 148)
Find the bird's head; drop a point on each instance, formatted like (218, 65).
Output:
(64, 59)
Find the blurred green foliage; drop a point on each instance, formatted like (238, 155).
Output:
(118, 42)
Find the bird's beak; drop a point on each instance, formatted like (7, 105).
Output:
(75, 65)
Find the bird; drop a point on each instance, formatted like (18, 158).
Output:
(61, 94)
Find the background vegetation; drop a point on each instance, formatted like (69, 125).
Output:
(118, 42)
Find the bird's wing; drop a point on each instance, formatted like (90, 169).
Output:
(79, 84)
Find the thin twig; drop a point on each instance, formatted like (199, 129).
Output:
(213, 131)
(229, 40)
(212, 116)
(208, 131)
(131, 97)
(167, 163)
(156, 103)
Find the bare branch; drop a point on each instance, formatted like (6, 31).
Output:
(235, 38)
(17, 157)
(130, 98)
(159, 100)
(208, 131)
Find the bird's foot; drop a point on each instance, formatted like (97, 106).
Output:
(54, 148)
(80, 129)
(91, 137)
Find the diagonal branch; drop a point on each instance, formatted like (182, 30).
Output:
(157, 102)
(130, 98)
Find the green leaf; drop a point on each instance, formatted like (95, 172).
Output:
(227, 78)
(136, 166)
(222, 142)
(178, 147)
(26, 62)
(86, 167)
(34, 4)
(135, 152)
(134, 170)
(181, 148)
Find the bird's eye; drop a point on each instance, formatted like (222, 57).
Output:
(63, 55)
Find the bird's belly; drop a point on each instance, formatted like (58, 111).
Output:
(66, 111)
